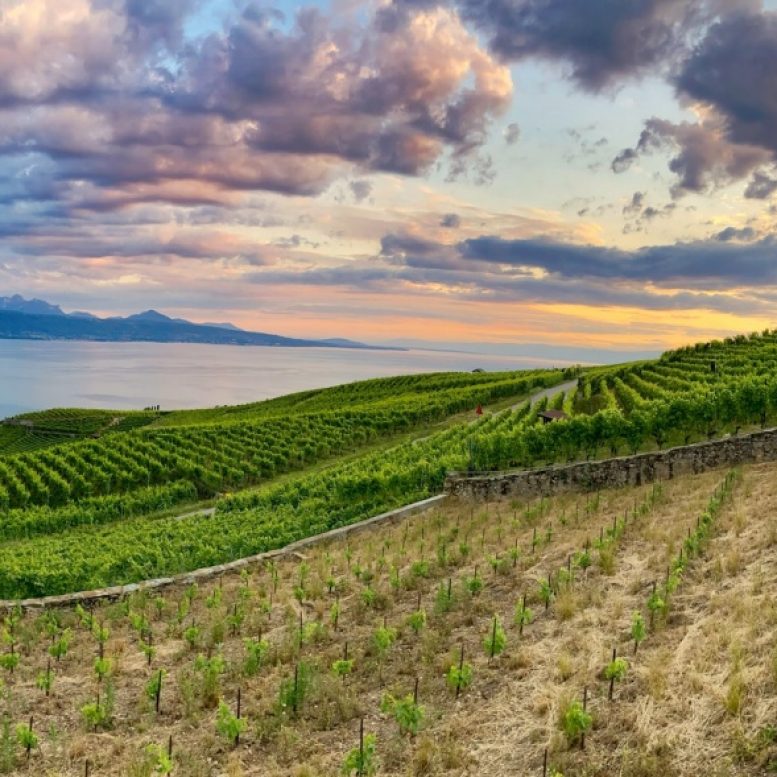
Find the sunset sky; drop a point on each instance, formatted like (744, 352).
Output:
(595, 173)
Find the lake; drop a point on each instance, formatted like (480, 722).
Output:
(35, 375)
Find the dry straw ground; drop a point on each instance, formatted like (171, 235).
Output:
(699, 696)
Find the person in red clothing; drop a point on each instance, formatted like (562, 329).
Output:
(479, 410)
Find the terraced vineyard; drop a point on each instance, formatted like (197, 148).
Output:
(474, 639)
(54, 499)
(305, 463)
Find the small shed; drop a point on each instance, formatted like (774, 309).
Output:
(549, 416)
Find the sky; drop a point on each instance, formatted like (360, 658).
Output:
(597, 174)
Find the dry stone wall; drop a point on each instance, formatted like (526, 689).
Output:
(617, 472)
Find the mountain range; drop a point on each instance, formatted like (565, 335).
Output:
(35, 319)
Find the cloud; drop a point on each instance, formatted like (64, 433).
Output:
(512, 134)
(702, 156)
(361, 190)
(730, 70)
(601, 41)
(634, 206)
(450, 221)
(760, 187)
(125, 107)
(705, 264)
(732, 233)
(692, 276)
(728, 77)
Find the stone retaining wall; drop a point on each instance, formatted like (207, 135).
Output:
(617, 472)
(117, 592)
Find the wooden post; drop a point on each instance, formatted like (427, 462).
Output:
(29, 745)
(652, 611)
(158, 691)
(612, 679)
(296, 688)
(523, 616)
(237, 738)
(461, 667)
(360, 771)
(415, 692)
(545, 763)
(585, 707)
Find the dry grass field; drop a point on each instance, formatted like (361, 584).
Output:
(698, 697)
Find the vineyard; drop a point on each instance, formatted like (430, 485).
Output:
(287, 468)
(569, 636)
(93, 512)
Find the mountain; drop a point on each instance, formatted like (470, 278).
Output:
(154, 317)
(228, 326)
(22, 319)
(33, 307)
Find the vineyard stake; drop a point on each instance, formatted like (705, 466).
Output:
(612, 679)
(361, 748)
(545, 763)
(237, 737)
(585, 707)
(158, 690)
(461, 667)
(523, 618)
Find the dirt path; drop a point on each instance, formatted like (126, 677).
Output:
(549, 393)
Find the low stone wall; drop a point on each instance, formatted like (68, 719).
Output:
(119, 591)
(617, 472)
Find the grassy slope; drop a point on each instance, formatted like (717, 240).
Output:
(699, 698)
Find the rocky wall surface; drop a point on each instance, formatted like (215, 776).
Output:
(617, 472)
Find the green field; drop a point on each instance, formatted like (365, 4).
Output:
(91, 511)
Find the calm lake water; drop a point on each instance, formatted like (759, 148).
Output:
(35, 375)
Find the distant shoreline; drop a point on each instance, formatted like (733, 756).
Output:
(141, 340)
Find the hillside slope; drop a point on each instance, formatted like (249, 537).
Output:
(400, 602)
